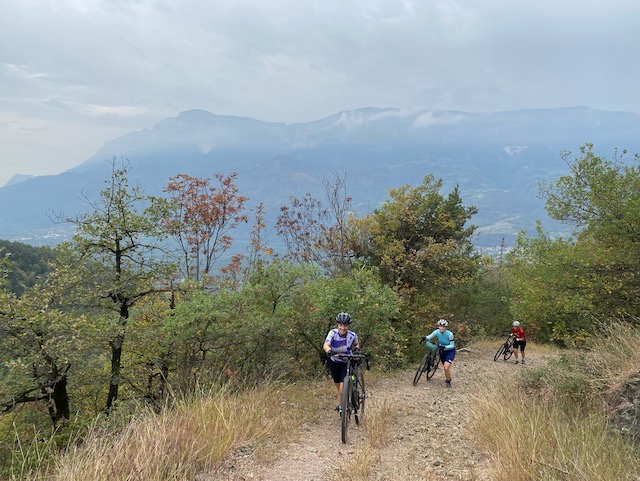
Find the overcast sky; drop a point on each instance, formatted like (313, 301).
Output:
(75, 74)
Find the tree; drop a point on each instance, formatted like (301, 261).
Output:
(27, 264)
(601, 198)
(420, 239)
(39, 342)
(200, 217)
(566, 286)
(116, 251)
(599, 195)
(318, 235)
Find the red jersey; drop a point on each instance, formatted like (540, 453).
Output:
(518, 333)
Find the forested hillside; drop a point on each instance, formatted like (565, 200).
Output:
(143, 310)
(26, 265)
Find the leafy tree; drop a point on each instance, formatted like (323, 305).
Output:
(274, 324)
(200, 217)
(116, 253)
(550, 287)
(420, 240)
(599, 195)
(564, 286)
(39, 344)
(483, 301)
(374, 307)
(26, 264)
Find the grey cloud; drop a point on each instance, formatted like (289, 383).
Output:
(130, 63)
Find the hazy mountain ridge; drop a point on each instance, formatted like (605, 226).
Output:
(497, 159)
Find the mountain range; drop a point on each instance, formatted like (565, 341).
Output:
(497, 160)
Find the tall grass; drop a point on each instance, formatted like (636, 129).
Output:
(195, 436)
(362, 464)
(551, 424)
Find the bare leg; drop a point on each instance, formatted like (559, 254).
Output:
(447, 371)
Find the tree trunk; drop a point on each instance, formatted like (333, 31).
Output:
(116, 359)
(60, 398)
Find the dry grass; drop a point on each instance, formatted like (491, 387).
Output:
(551, 425)
(492, 344)
(194, 437)
(363, 462)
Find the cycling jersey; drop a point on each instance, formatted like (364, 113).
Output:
(339, 344)
(445, 339)
(518, 333)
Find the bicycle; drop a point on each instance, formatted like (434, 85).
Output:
(429, 363)
(505, 350)
(353, 392)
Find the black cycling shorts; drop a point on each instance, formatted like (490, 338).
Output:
(338, 370)
(519, 344)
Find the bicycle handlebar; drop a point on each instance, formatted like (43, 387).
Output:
(354, 357)
(350, 356)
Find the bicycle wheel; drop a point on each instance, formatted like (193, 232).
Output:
(421, 368)
(433, 364)
(346, 406)
(359, 396)
(500, 352)
(508, 351)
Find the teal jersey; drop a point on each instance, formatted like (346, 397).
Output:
(445, 339)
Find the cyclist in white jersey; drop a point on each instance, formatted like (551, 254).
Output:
(340, 340)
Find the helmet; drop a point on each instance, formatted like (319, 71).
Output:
(443, 322)
(516, 324)
(343, 318)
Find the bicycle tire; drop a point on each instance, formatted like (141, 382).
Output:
(508, 351)
(346, 407)
(359, 397)
(433, 364)
(499, 352)
(421, 368)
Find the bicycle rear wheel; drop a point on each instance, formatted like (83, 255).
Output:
(434, 362)
(359, 396)
(421, 368)
(508, 351)
(346, 406)
(499, 352)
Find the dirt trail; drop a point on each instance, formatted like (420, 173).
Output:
(429, 437)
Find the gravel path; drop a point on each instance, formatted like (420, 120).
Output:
(428, 436)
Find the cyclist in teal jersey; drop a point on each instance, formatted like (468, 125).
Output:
(447, 347)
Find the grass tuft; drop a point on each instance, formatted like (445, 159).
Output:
(366, 456)
(194, 437)
(551, 423)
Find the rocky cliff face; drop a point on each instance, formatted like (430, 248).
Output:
(624, 408)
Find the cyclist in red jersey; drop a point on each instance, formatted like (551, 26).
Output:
(520, 340)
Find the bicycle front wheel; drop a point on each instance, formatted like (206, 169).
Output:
(434, 362)
(359, 396)
(346, 406)
(500, 352)
(421, 368)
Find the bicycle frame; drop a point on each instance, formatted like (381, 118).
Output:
(353, 392)
(505, 350)
(429, 363)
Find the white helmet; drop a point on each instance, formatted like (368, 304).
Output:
(443, 322)
(516, 324)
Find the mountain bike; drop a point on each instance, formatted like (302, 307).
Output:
(505, 350)
(429, 363)
(353, 392)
